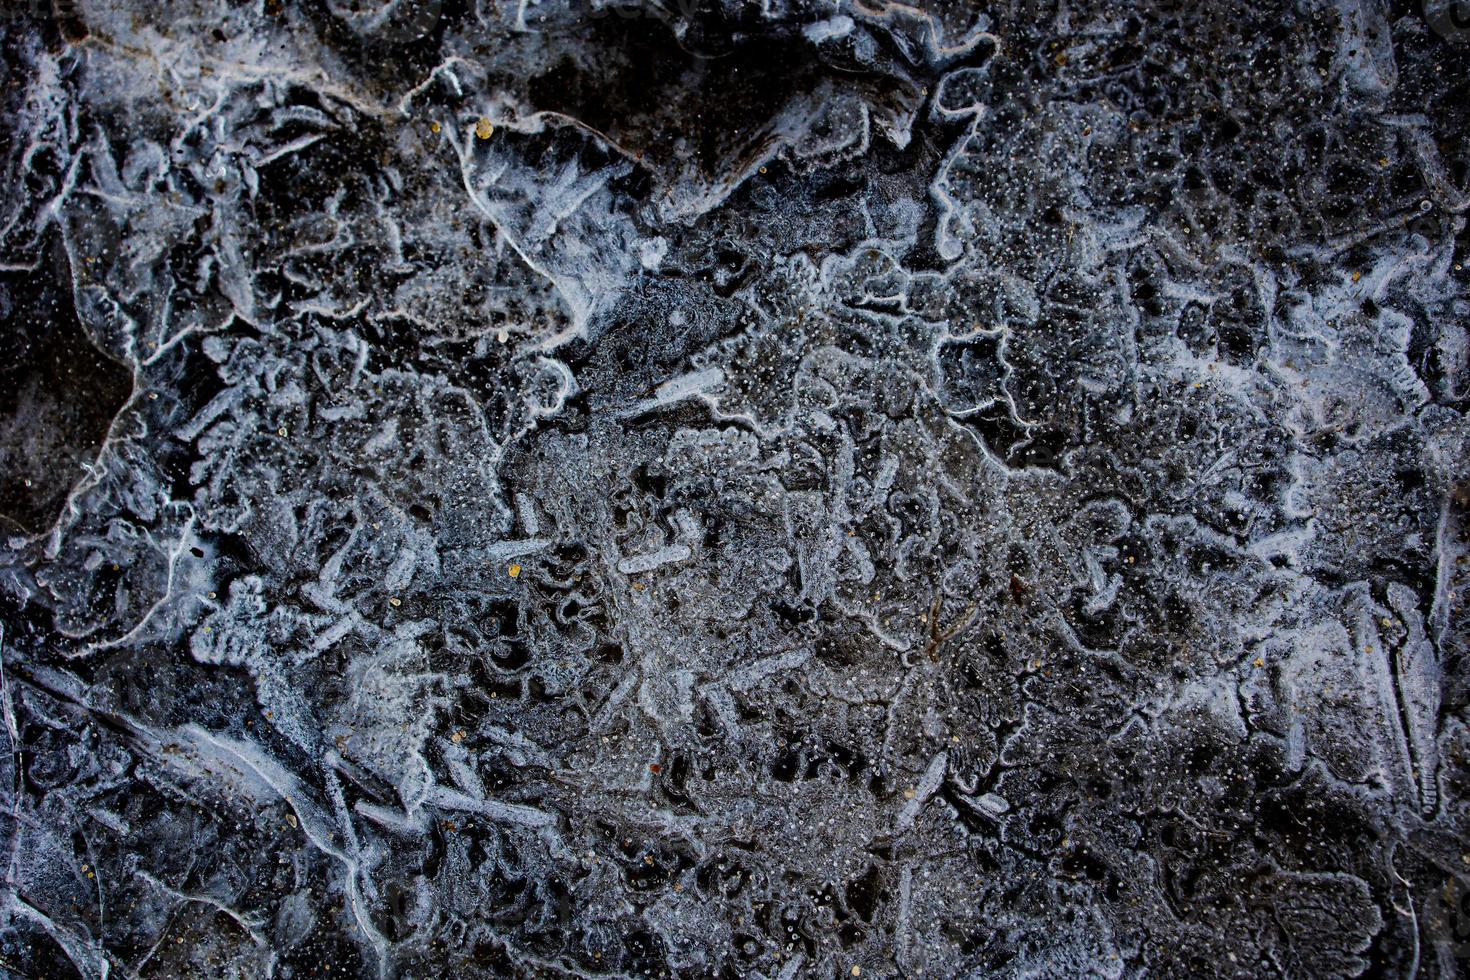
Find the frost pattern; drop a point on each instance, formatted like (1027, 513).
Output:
(782, 490)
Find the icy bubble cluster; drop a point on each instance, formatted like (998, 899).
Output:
(576, 488)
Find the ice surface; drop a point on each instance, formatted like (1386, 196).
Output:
(586, 488)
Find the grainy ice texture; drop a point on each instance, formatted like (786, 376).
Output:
(713, 490)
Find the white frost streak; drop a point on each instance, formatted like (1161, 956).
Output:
(653, 559)
(752, 675)
(928, 785)
(514, 813)
(694, 385)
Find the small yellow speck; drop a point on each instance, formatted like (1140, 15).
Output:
(395, 601)
(434, 127)
(484, 128)
(639, 586)
(763, 169)
(457, 737)
(281, 432)
(513, 571)
(1357, 277)
(909, 794)
(1259, 661)
(857, 971)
